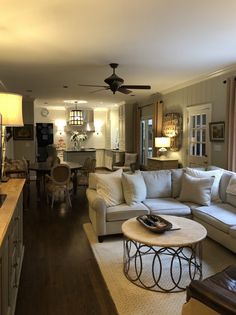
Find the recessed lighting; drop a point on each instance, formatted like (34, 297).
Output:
(29, 91)
(76, 101)
(65, 86)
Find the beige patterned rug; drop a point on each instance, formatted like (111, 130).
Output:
(130, 299)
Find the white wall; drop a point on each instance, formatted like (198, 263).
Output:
(209, 91)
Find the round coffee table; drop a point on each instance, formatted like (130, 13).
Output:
(164, 262)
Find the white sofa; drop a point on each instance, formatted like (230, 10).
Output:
(165, 192)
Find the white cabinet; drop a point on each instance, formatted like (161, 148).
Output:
(11, 250)
(100, 157)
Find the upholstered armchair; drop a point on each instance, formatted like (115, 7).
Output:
(130, 163)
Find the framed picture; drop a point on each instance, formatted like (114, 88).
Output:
(25, 132)
(217, 131)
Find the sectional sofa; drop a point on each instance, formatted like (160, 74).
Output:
(207, 196)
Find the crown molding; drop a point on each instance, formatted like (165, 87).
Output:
(201, 78)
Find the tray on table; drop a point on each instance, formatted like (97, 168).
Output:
(154, 223)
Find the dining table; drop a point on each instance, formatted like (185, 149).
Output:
(43, 168)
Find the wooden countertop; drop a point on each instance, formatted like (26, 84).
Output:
(12, 189)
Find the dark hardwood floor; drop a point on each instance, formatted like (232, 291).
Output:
(60, 275)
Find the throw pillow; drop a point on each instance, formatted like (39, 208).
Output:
(134, 188)
(231, 191)
(93, 177)
(196, 190)
(158, 183)
(109, 188)
(207, 174)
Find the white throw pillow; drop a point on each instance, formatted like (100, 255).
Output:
(196, 190)
(158, 183)
(134, 188)
(207, 174)
(109, 188)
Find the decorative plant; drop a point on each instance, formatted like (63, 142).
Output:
(78, 137)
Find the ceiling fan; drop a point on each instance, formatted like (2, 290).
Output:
(115, 83)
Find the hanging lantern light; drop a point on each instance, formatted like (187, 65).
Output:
(76, 117)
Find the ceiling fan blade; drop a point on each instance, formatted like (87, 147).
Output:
(104, 89)
(123, 90)
(137, 87)
(104, 86)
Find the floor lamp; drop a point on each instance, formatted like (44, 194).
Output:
(11, 111)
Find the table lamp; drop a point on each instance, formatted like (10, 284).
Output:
(11, 111)
(162, 143)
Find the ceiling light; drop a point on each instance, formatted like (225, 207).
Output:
(75, 101)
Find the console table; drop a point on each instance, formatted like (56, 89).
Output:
(11, 244)
(155, 163)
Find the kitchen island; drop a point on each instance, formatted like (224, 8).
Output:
(79, 156)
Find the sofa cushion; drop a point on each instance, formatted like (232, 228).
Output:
(167, 206)
(176, 177)
(221, 215)
(109, 188)
(231, 191)
(125, 212)
(232, 231)
(158, 183)
(206, 174)
(93, 177)
(225, 178)
(134, 187)
(196, 190)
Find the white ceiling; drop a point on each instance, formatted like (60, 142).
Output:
(47, 44)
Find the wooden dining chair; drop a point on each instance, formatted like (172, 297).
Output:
(59, 184)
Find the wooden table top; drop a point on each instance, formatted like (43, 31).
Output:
(45, 167)
(190, 232)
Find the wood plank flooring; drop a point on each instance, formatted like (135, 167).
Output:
(60, 275)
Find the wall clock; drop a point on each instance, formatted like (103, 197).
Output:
(44, 112)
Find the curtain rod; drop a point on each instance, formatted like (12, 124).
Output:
(225, 81)
(148, 105)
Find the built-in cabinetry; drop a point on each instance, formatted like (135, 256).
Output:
(11, 244)
(79, 156)
(155, 163)
(100, 153)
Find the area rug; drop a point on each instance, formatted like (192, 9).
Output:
(129, 298)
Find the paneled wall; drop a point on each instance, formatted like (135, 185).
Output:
(210, 91)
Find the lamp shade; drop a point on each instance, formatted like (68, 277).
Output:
(162, 142)
(11, 109)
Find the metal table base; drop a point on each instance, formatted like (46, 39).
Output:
(162, 269)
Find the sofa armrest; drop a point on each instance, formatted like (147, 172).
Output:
(97, 211)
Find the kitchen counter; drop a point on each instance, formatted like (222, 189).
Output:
(79, 156)
(81, 150)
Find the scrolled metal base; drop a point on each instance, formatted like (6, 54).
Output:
(162, 269)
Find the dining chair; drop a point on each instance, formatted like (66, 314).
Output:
(59, 184)
(84, 175)
(19, 169)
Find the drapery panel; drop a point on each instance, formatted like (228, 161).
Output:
(231, 123)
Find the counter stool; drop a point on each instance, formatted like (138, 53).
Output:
(214, 295)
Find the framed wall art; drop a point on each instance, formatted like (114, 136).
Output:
(217, 131)
(25, 132)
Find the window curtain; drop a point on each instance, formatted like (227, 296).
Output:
(231, 123)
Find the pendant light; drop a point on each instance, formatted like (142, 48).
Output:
(76, 117)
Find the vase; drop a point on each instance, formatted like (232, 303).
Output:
(76, 145)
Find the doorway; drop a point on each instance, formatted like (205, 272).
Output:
(146, 143)
(198, 118)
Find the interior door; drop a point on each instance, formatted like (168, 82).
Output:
(199, 151)
(146, 140)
